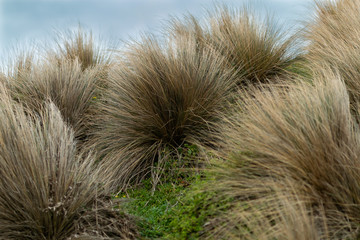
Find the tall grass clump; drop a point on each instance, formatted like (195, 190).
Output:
(23, 62)
(80, 45)
(45, 186)
(333, 36)
(270, 211)
(160, 96)
(255, 47)
(69, 87)
(292, 156)
(18, 63)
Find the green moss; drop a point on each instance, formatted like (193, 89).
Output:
(151, 207)
(187, 220)
(175, 210)
(179, 206)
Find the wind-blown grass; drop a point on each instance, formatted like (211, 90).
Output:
(334, 40)
(254, 47)
(77, 124)
(69, 87)
(45, 186)
(80, 45)
(298, 144)
(22, 62)
(159, 97)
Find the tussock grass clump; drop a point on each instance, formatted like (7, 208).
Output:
(275, 211)
(69, 87)
(80, 45)
(333, 36)
(22, 63)
(45, 186)
(158, 98)
(254, 47)
(299, 143)
(19, 63)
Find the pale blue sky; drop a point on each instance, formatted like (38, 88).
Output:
(24, 21)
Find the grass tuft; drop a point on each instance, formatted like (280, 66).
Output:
(159, 98)
(69, 87)
(45, 186)
(301, 134)
(255, 48)
(333, 36)
(80, 45)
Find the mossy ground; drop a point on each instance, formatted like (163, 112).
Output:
(178, 208)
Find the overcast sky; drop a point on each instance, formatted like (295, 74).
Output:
(24, 21)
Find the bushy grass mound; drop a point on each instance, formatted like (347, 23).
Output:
(70, 88)
(333, 36)
(46, 187)
(159, 97)
(254, 47)
(294, 156)
(80, 45)
(69, 75)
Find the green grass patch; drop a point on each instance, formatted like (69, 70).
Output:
(180, 205)
(177, 210)
(152, 207)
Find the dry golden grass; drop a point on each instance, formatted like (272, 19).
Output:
(23, 63)
(288, 152)
(69, 87)
(298, 144)
(20, 62)
(334, 37)
(273, 212)
(80, 45)
(255, 47)
(46, 187)
(159, 97)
